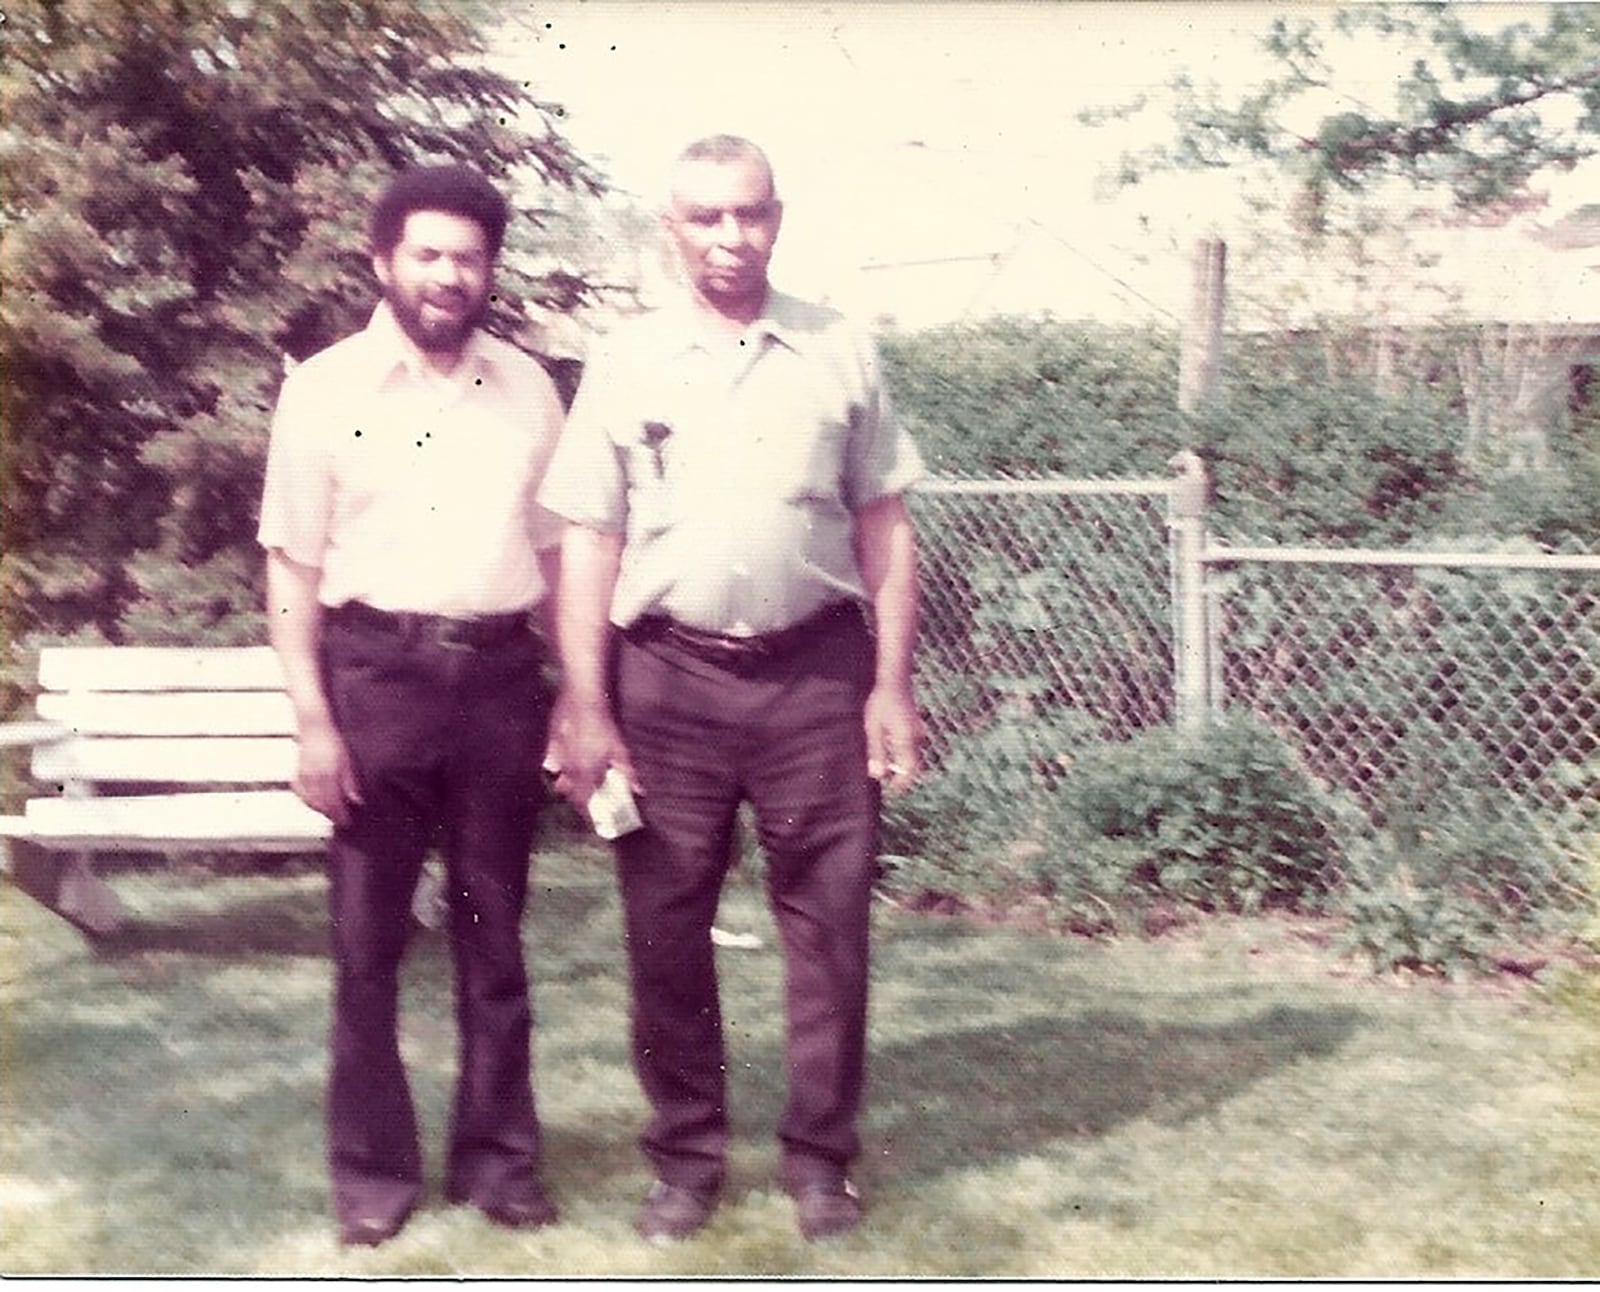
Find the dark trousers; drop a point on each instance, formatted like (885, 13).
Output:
(785, 734)
(447, 741)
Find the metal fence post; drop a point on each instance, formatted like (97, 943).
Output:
(1186, 521)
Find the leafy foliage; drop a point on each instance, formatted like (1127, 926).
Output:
(1015, 396)
(186, 191)
(1303, 448)
(1034, 801)
(1447, 889)
(1301, 456)
(1103, 836)
(1476, 114)
(968, 831)
(1221, 820)
(1557, 507)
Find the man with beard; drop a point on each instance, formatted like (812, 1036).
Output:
(405, 558)
(732, 475)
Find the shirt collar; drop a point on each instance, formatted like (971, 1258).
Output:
(393, 352)
(776, 321)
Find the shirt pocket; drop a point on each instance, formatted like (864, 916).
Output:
(805, 455)
(649, 473)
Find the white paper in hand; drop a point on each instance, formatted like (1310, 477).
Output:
(612, 809)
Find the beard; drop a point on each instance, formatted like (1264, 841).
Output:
(436, 335)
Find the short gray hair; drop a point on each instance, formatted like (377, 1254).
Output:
(724, 148)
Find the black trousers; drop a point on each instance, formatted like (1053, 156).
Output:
(446, 740)
(785, 734)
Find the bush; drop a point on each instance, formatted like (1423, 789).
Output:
(1301, 450)
(1039, 812)
(967, 831)
(1399, 924)
(1299, 457)
(1454, 699)
(1223, 820)
(1456, 881)
(1013, 396)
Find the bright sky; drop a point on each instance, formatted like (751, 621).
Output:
(917, 131)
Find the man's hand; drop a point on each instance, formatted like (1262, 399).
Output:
(895, 736)
(326, 778)
(584, 742)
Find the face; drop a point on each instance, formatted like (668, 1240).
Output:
(724, 218)
(437, 278)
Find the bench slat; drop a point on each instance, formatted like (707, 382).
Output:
(159, 668)
(171, 713)
(259, 820)
(24, 735)
(181, 759)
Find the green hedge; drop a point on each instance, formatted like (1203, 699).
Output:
(1036, 803)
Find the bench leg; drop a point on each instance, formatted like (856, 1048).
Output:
(66, 885)
(87, 900)
(81, 895)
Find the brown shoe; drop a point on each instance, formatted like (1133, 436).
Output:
(670, 1213)
(827, 1209)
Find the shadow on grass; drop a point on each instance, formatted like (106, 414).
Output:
(191, 1108)
(293, 923)
(974, 1097)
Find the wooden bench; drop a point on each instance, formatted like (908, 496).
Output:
(128, 718)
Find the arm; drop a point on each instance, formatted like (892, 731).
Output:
(584, 736)
(550, 572)
(886, 550)
(325, 777)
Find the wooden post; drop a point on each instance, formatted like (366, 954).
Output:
(1186, 523)
(1200, 360)
(1199, 367)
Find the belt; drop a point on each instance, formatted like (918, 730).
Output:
(719, 648)
(477, 633)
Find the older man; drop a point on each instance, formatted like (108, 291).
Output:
(405, 553)
(732, 478)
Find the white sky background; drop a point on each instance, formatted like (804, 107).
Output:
(924, 131)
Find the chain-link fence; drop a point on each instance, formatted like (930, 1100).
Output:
(1421, 683)
(1411, 681)
(1044, 593)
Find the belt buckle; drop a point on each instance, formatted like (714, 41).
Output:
(741, 655)
(725, 647)
(454, 634)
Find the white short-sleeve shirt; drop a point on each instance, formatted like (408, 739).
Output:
(411, 491)
(733, 466)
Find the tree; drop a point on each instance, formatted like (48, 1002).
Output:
(186, 187)
(1477, 114)
(1375, 124)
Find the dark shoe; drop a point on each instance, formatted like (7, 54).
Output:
(530, 1213)
(670, 1213)
(534, 1211)
(370, 1231)
(827, 1208)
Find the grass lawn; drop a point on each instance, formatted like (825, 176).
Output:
(1227, 1101)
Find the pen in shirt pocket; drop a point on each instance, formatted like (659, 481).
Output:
(655, 435)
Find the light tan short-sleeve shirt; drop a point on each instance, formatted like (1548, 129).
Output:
(408, 491)
(732, 466)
